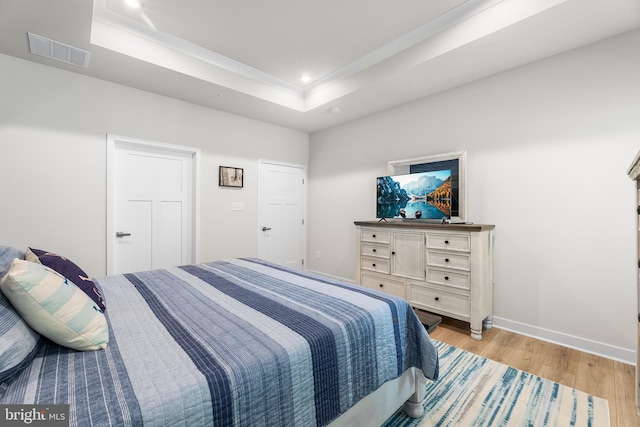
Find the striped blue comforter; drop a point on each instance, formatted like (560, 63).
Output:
(230, 343)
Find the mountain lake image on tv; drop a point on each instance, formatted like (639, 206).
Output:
(423, 195)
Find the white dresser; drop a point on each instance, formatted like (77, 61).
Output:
(634, 174)
(442, 268)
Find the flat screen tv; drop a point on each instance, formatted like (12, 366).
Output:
(422, 195)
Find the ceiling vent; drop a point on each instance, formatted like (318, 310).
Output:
(55, 50)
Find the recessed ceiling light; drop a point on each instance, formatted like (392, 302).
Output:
(305, 78)
(134, 4)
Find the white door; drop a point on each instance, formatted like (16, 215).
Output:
(282, 236)
(151, 206)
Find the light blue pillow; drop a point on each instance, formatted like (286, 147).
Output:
(18, 342)
(54, 306)
(7, 254)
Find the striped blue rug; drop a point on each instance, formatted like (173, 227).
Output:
(476, 392)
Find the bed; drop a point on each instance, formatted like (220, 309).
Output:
(238, 342)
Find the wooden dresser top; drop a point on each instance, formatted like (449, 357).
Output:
(427, 225)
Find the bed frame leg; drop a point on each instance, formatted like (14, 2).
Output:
(414, 407)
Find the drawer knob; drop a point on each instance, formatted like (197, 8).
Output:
(437, 298)
(446, 277)
(373, 235)
(381, 285)
(393, 253)
(446, 260)
(373, 250)
(446, 242)
(373, 265)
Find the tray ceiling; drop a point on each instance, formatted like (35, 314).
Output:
(361, 56)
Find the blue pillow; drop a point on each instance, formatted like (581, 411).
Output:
(7, 254)
(18, 342)
(68, 269)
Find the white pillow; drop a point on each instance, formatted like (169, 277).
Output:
(55, 306)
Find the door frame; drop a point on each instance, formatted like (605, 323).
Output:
(304, 205)
(115, 141)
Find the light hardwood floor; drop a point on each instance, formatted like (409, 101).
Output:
(599, 376)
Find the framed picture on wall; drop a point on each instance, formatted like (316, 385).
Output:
(230, 177)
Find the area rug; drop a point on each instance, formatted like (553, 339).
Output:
(476, 392)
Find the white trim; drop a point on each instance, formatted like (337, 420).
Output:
(112, 141)
(305, 195)
(427, 30)
(588, 346)
(332, 277)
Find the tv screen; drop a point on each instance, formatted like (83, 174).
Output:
(423, 195)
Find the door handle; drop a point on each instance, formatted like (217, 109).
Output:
(266, 228)
(122, 234)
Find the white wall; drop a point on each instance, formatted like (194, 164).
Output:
(548, 148)
(53, 127)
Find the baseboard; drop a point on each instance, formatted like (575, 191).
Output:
(588, 346)
(593, 347)
(329, 276)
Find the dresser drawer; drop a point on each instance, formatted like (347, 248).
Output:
(393, 287)
(373, 250)
(449, 278)
(449, 260)
(439, 301)
(377, 265)
(372, 235)
(455, 242)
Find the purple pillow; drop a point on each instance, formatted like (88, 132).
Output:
(69, 270)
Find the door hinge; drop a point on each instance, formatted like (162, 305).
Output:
(302, 181)
(303, 261)
(638, 210)
(302, 221)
